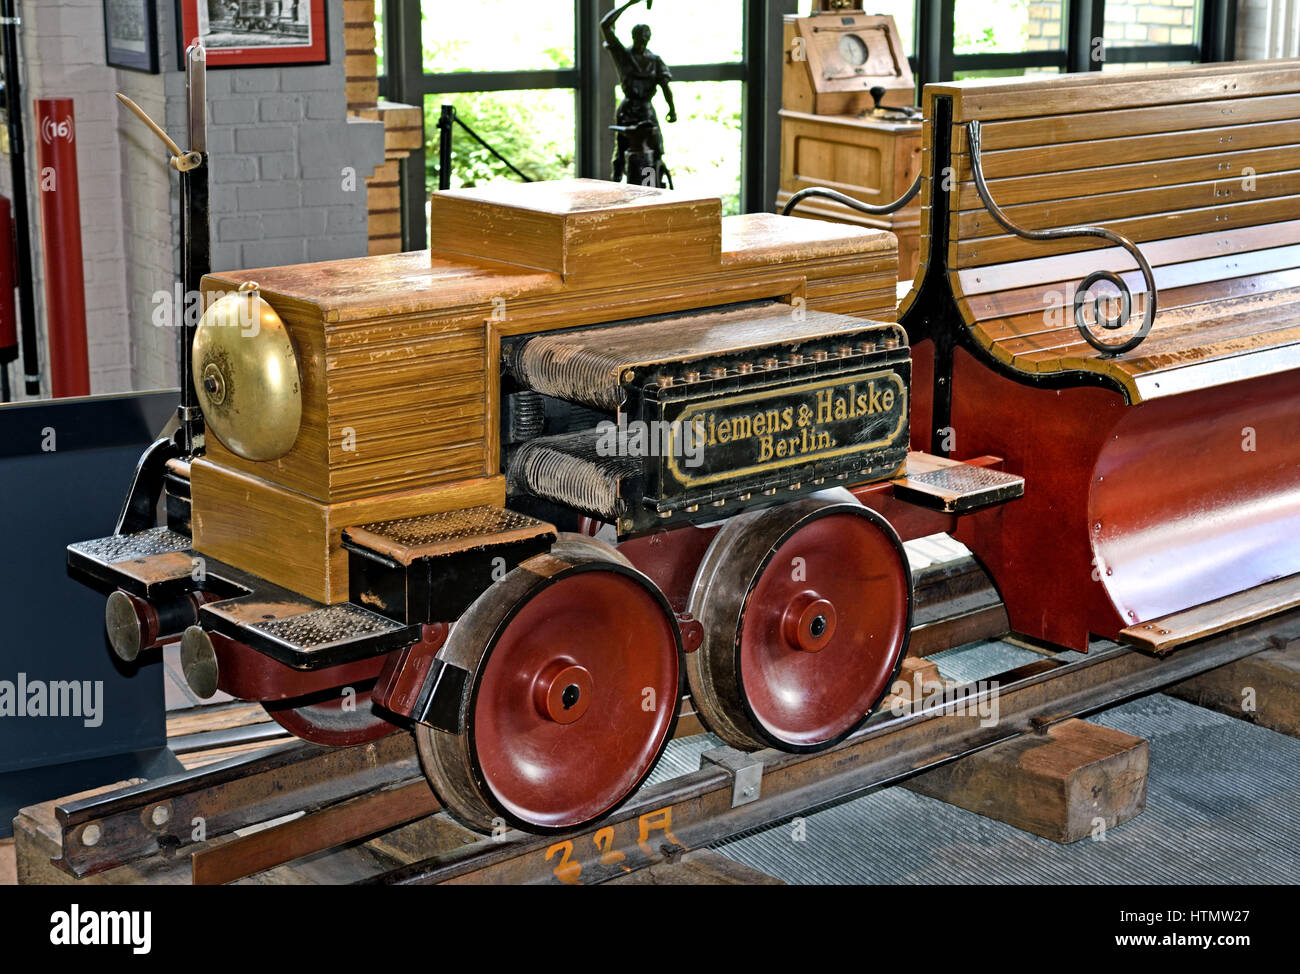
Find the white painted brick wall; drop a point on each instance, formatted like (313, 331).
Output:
(1268, 29)
(279, 139)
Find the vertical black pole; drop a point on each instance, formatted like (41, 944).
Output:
(1086, 31)
(445, 133)
(1218, 30)
(18, 170)
(404, 74)
(947, 39)
(764, 55)
(595, 92)
(196, 244)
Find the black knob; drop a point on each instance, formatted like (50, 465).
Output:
(877, 94)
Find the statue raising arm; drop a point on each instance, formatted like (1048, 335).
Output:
(607, 22)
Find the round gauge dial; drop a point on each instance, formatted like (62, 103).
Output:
(853, 49)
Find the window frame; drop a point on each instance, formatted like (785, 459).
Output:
(592, 79)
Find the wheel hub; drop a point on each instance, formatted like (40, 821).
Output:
(563, 692)
(809, 622)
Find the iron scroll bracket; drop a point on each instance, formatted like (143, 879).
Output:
(883, 209)
(1084, 291)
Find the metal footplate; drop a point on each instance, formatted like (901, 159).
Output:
(431, 568)
(158, 565)
(954, 487)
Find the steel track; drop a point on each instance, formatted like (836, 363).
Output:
(691, 811)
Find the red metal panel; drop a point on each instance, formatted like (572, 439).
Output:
(249, 675)
(670, 558)
(1037, 548)
(1131, 512)
(65, 292)
(1197, 496)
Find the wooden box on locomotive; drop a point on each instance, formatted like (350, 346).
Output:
(829, 136)
(399, 356)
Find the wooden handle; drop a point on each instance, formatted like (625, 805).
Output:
(140, 113)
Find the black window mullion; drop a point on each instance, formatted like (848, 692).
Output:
(1153, 53)
(1086, 25)
(595, 112)
(404, 83)
(476, 81)
(1218, 30)
(990, 61)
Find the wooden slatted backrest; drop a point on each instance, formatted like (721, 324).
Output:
(1199, 166)
(1152, 155)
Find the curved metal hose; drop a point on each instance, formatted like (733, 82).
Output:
(849, 201)
(1084, 290)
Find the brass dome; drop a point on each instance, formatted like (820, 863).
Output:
(246, 376)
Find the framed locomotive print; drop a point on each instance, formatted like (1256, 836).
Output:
(255, 33)
(131, 35)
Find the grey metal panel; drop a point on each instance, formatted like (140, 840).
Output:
(52, 628)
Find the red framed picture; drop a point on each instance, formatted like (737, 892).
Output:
(255, 33)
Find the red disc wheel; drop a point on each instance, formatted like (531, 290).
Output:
(571, 692)
(333, 718)
(806, 610)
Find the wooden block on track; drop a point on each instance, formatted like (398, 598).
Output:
(1057, 785)
(1263, 689)
(916, 678)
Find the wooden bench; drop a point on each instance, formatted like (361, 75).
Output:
(1199, 168)
(1190, 494)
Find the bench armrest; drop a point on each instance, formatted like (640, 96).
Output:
(1085, 287)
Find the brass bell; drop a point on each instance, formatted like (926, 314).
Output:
(246, 375)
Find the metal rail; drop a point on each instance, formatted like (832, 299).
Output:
(875, 209)
(703, 808)
(346, 794)
(1084, 290)
(168, 815)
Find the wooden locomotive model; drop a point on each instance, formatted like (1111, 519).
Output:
(407, 458)
(507, 491)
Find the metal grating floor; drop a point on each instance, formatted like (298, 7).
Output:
(1223, 806)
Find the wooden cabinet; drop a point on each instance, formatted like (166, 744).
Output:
(831, 134)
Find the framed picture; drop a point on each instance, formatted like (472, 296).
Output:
(255, 33)
(131, 35)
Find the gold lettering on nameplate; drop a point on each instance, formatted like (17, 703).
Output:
(774, 428)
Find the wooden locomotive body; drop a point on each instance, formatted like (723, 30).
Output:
(420, 550)
(601, 436)
(402, 411)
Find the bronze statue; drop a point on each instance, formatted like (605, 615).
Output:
(639, 143)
